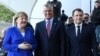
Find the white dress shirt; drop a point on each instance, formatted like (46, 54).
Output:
(76, 28)
(51, 21)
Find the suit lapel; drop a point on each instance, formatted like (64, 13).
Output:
(43, 26)
(54, 23)
(74, 31)
(82, 31)
(43, 30)
(18, 33)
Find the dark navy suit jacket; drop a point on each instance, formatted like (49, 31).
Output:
(85, 45)
(53, 45)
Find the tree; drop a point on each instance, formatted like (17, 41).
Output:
(6, 14)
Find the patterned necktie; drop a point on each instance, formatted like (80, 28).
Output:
(48, 28)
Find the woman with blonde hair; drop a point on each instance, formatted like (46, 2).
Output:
(19, 40)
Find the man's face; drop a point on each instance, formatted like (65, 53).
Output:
(78, 17)
(48, 13)
(86, 17)
(97, 5)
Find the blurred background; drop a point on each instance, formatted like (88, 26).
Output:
(8, 8)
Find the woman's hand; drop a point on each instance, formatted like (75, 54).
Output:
(25, 46)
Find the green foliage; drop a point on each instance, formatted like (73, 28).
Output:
(6, 14)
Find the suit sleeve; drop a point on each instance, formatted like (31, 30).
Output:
(94, 43)
(64, 41)
(7, 44)
(37, 36)
(33, 41)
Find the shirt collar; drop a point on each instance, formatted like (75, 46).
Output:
(78, 25)
(49, 20)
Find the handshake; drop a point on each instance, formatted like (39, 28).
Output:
(25, 46)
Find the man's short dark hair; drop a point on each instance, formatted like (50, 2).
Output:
(97, 1)
(77, 9)
(63, 11)
(86, 14)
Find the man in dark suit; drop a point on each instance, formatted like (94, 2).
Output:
(64, 17)
(95, 16)
(50, 35)
(56, 8)
(81, 36)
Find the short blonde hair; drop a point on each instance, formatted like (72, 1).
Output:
(20, 14)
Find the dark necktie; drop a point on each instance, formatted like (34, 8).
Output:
(48, 28)
(78, 31)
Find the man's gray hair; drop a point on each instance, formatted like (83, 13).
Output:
(48, 6)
